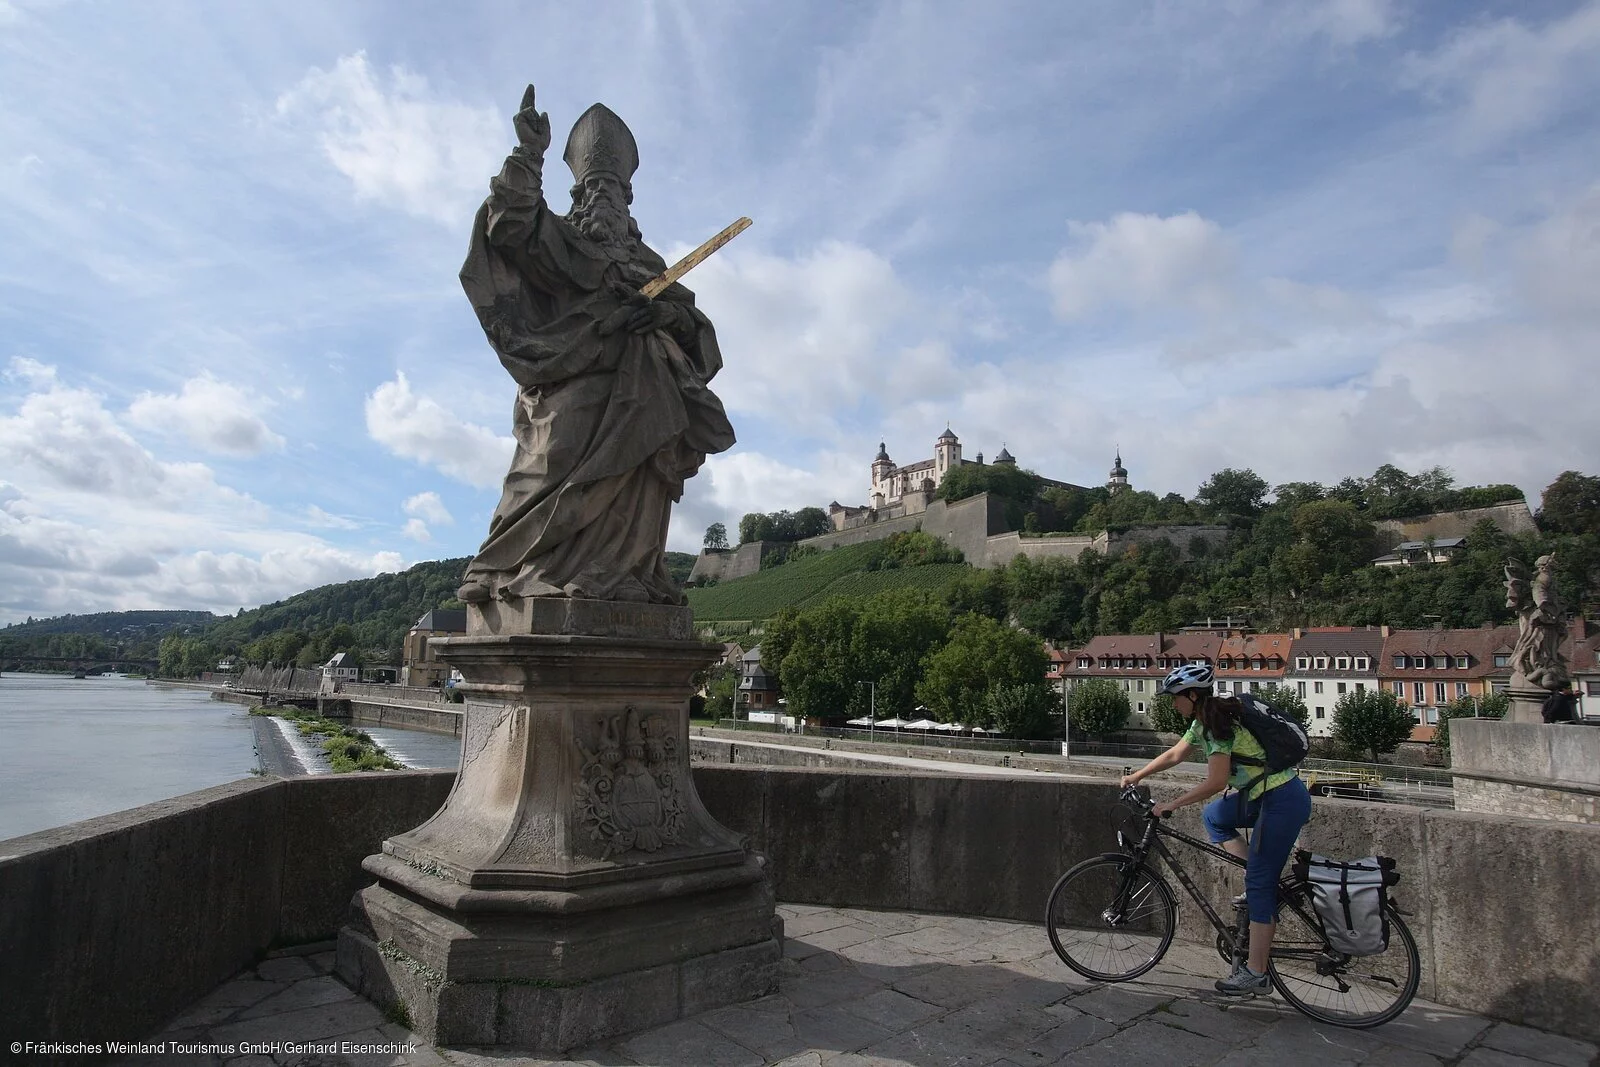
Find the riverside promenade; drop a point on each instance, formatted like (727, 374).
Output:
(864, 988)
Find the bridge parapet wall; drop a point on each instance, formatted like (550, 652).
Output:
(170, 899)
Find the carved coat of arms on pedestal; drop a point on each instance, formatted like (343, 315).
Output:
(628, 792)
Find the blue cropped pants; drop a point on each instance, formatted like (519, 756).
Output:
(1276, 817)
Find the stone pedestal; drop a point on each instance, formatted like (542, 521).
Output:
(572, 887)
(1526, 700)
(1538, 770)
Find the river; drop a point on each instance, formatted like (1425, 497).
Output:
(73, 749)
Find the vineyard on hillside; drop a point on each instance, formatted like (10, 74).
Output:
(801, 582)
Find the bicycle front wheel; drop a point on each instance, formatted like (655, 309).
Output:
(1109, 919)
(1356, 992)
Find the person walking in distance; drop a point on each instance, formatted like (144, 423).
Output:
(1275, 804)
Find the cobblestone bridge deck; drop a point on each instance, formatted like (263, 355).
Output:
(891, 988)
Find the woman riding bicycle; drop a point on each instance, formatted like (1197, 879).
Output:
(1276, 806)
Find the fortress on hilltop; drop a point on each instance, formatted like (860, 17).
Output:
(902, 498)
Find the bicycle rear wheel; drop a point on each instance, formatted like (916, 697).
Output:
(1110, 920)
(1330, 987)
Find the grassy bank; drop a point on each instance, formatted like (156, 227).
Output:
(348, 749)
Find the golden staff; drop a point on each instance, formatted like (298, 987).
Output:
(652, 288)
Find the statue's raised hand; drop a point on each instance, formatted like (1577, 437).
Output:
(533, 128)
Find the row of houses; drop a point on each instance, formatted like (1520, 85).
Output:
(1425, 669)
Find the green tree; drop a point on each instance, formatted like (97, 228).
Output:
(1164, 715)
(716, 538)
(1571, 504)
(1098, 707)
(1286, 700)
(1233, 492)
(979, 654)
(720, 688)
(1371, 722)
(1493, 706)
(1027, 710)
(171, 656)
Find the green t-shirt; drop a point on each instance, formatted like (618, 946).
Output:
(1242, 743)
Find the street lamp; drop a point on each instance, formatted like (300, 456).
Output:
(872, 707)
(1066, 722)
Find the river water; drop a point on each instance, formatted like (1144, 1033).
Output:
(73, 749)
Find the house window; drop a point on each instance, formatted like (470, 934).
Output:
(1502, 659)
(1141, 707)
(1224, 663)
(1461, 689)
(1419, 692)
(1591, 689)
(1399, 663)
(1083, 663)
(1461, 663)
(1320, 713)
(1222, 687)
(1432, 717)
(1441, 663)
(1301, 688)
(1141, 685)
(1342, 663)
(1363, 663)
(1257, 663)
(1438, 692)
(1361, 687)
(1416, 716)
(1317, 686)
(1124, 685)
(1342, 689)
(1302, 663)
(1144, 662)
(1255, 687)
(1419, 662)
(1399, 690)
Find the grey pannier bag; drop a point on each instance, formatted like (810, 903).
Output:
(1351, 899)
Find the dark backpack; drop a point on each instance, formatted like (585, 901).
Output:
(1280, 737)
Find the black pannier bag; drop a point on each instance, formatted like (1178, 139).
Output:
(1351, 898)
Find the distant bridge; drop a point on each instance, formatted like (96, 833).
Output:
(91, 665)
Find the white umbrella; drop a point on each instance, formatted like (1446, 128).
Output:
(863, 721)
(895, 722)
(950, 727)
(922, 724)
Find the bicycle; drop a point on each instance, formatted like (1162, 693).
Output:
(1112, 917)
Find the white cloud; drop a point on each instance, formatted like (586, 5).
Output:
(30, 372)
(69, 438)
(1507, 77)
(418, 428)
(1143, 261)
(315, 516)
(211, 414)
(1559, 261)
(803, 339)
(428, 506)
(416, 530)
(1349, 22)
(396, 140)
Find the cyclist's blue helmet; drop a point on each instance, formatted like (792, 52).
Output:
(1188, 676)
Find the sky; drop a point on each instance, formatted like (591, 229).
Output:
(1307, 237)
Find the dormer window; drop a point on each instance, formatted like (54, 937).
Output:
(1144, 662)
(1322, 663)
(1257, 663)
(1441, 663)
(1363, 663)
(1302, 663)
(1342, 663)
(1461, 663)
(1419, 662)
(1224, 663)
(1399, 663)
(1083, 663)
(1502, 659)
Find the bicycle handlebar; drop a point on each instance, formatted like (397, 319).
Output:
(1139, 797)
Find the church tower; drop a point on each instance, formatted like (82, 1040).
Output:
(946, 454)
(1119, 475)
(882, 466)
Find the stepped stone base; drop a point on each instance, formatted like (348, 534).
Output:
(573, 887)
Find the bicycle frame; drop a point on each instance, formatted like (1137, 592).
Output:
(1288, 888)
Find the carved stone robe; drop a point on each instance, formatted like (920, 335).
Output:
(607, 428)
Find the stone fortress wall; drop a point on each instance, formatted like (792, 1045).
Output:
(977, 526)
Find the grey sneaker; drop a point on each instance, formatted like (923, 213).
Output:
(1244, 982)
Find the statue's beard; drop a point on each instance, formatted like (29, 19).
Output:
(602, 222)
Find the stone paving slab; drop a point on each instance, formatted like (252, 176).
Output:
(865, 988)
